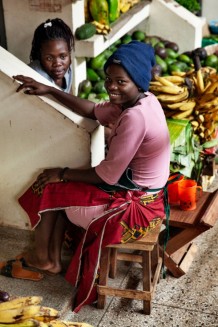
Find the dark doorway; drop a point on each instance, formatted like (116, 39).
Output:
(3, 42)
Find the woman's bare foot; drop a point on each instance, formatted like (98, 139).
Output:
(32, 261)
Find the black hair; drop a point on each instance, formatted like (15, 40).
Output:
(51, 29)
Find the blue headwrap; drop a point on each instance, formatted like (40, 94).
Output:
(137, 58)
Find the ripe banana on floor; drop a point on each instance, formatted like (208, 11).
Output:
(25, 323)
(20, 302)
(46, 314)
(62, 323)
(27, 312)
(53, 323)
(18, 314)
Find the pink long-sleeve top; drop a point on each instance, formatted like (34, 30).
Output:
(139, 140)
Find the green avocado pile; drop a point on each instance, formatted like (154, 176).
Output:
(168, 60)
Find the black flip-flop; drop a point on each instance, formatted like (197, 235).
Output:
(20, 258)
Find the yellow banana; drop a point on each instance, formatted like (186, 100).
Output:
(176, 105)
(46, 314)
(200, 82)
(209, 104)
(183, 114)
(181, 74)
(167, 89)
(155, 83)
(101, 28)
(190, 72)
(42, 323)
(202, 100)
(25, 323)
(62, 323)
(20, 302)
(164, 81)
(124, 6)
(189, 105)
(212, 109)
(175, 79)
(208, 84)
(194, 124)
(170, 98)
(212, 87)
(19, 314)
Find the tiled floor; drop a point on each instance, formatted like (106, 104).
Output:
(191, 300)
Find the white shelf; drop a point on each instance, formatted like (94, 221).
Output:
(126, 22)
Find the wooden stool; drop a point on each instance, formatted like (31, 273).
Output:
(151, 267)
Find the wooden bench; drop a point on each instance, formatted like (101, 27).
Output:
(185, 226)
(151, 266)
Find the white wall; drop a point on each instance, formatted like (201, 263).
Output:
(37, 133)
(210, 9)
(175, 23)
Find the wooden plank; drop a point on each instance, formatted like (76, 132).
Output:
(171, 265)
(188, 258)
(129, 294)
(178, 255)
(129, 257)
(211, 215)
(183, 238)
(184, 219)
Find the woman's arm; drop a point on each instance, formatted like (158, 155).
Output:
(55, 175)
(82, 107)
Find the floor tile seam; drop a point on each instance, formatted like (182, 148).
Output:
(113, 297)
(185, 309)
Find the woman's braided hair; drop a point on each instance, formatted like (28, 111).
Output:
(52, 29)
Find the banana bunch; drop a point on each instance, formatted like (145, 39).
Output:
(174, 95)
(193, 96)
(103, 11)
(205, 115)
(27, 311)
(126, 5)
(101, 28)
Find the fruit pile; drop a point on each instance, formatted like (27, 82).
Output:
(27, 311)
(192, 96)
(186, 91)
(99, 14)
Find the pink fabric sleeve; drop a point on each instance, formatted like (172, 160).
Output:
(106, 112)
(123, 146)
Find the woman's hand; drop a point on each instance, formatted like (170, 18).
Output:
(30, 86)
(48, 176)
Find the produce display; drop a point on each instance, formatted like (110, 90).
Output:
(186, 83)
(27, 311)
(101, 13)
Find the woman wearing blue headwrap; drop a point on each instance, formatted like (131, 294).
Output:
(108, 201)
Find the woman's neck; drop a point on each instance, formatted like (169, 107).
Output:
(141, 95)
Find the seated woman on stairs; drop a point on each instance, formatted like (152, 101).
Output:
(121, 198)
